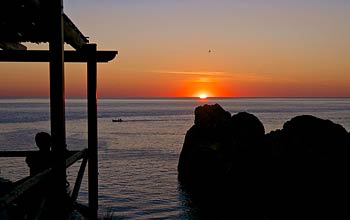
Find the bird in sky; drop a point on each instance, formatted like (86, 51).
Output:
(209, 51)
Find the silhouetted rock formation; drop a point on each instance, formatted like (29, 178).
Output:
(296, 172)
(204, 147)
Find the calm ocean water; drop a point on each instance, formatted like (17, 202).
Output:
(138, 157)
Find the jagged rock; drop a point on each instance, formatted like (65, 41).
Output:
(311, 136)
(216, 142)
(298, 169)
(308, 141)
(305, 166)
(246, 131)
(211, 116)
(202, 155)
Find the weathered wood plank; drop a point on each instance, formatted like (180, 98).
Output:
(75, 157)
(82, 209)
(17, 153)
(79, 179)
(32, 181)
(72, 35)
(12, 46)
(32, 25)
(23, 187)
(44, 56)
(25, 153)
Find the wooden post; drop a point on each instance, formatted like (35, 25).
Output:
(92, 130)
(57, 103)
(79, 179)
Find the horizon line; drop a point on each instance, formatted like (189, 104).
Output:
(173, 97)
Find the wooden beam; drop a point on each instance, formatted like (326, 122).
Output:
(23, 187)
(57, 106)
(28, 182)
(80, 56)
(27, 153)
(92, 130)
(78, 180)
(75, 157)
(12, 46)
(72, 35)
(32, 25)
(17, 153)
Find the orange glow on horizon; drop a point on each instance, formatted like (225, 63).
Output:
(193, 89)
(195, 53)
(203, 96)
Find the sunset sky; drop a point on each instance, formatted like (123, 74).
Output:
(177, 48)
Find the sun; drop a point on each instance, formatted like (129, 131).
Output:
(203, 96)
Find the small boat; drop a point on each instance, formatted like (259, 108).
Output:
(117, 120)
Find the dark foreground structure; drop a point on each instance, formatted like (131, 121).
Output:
(41, 21)
(230, 169)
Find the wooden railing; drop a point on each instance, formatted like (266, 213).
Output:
(29, 182)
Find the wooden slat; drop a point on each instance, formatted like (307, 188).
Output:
(82, 209)
(23, 187)
(75, 157)
(72, 35)
(24, 153)
(12, 46)
(16, 153)
(44, 56)
(32, 181)
(79, 179)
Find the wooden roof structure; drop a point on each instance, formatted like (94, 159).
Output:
(41, 21)
(25, 21)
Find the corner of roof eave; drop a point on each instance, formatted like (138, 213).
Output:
(72, 35)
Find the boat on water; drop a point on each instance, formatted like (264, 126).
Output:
(117, 120)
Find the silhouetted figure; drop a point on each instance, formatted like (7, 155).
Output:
(42, 160)
(36, 199)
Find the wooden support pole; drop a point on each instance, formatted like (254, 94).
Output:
(78, 180)
(57, 103)
(57, 90)
(92, 130)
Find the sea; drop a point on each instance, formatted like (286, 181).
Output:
(138, 157)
